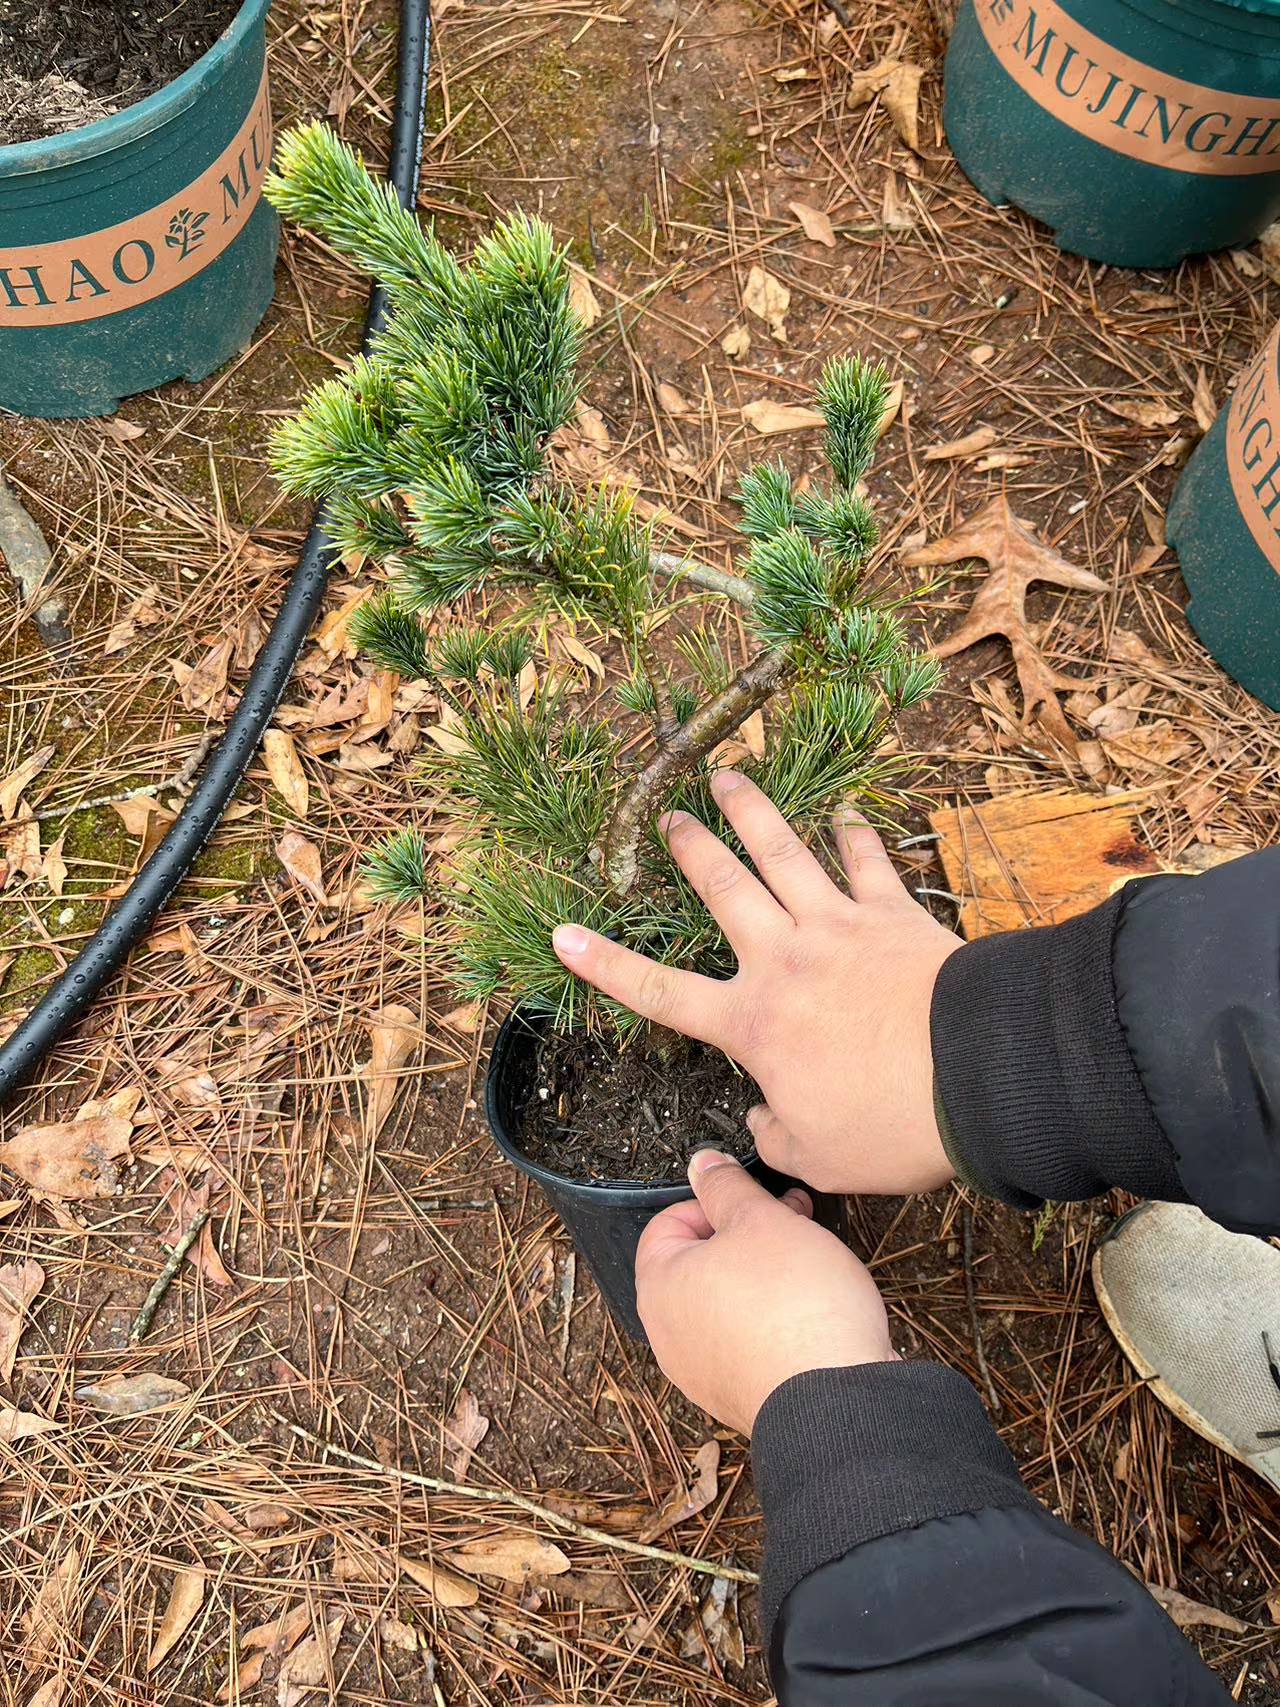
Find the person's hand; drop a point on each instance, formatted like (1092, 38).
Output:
(738, 1291)
(829, 1008)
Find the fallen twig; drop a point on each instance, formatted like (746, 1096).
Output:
(142, 1321)
(180, 785)
(501, 1496)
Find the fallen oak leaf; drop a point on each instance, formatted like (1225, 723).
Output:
(22, 848)
(980, 439)
(1150, 415)
(204, 687)
(55, 1613)
(688, 1502)
(445, 1587)
(768, 299)
(13, 785)
(18, 1425)
(395, 1034)
(71, 1159)
(266, 1641)
(768, 417)
(20, 1284)
(897, 82)
(815, 224)
(1187, 1613)
(301, 859)
(514, 1558)
(582, 299)
(465, 1429)
(184, 1205)
(53, 868)
(311, 1663)
(185, 1599)
(285, 770)
(131, 1395)
(1017, 559)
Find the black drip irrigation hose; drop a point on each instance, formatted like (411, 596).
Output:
(106, 952)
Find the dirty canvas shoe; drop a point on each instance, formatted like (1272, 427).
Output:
(1197, 1312)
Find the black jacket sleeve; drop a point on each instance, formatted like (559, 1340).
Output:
(1135, 1046)
(907, 1566)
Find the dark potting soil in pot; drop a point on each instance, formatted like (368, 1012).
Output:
(596, 1114)
(63, 66)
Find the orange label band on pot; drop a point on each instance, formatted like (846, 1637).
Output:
(1253, 448)
(1124, 105)
(104, 272)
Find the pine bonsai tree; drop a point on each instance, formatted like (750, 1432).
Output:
(434, 456)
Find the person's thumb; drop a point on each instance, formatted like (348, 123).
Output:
(723, 1187)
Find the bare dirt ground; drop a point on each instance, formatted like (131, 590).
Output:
(388, 1286)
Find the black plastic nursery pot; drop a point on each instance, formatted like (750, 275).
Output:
(1224, 524)
(1141, 131)
(604, 1219)
(139, 249)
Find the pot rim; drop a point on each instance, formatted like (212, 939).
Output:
(675, 1191)
(118, 130)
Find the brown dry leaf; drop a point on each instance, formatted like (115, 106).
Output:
(301, 859)
(20, 1283)
(120, 1105)
(50, 1693)
(444, 1587)
(514, 1558)
(465, 1019)
(331, 636)
(897, 82)
(1017, 559)
(13, 785)
(465, 1429)
(593, 1588)
(1203, 406)
(184, 1205)
(981, 354)
(574, 648)
(672, 403)
(53, 868)
(815, 224)
(1147, 413)
(1149, 748)
(1187, 1613)
(131, 1395)
(894, 399)
(311, 1663)
(122, 431)
(278, 1634)
(752, 734)
(688, 1502)
(185, 1599)
(768, 417)
(285, 770)
(22, 1425)
(1273, 1606)
(398, 1635)
(142, 613)
(205, 687)
(582, 299)
(188, 1086)
(380, 702)
(900, 98)
(980, 439)
(717, 1627)
(22, 848)
(136, 814)
(768, 299)
(72, 1159)
(54, 1614)
(896, 210)
(736, 342)
(448, 741)
(395, 1033)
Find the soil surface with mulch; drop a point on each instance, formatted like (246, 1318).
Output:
(66, 66)
(378, 1297)
(594, 1113)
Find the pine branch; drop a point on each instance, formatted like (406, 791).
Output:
(702, 575)
(710, 724)
(665, 721)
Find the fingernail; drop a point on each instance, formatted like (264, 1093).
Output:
(702, 1160)
(669, 820)
(570, 939)
(798, 1199)
(724, 782)
(850, 815)
(753, 1117)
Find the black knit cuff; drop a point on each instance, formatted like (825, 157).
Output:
(1041, 1095)
(845, 1455)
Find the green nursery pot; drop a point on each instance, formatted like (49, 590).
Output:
(139, 249)
(1224, 523)
(1141, 131)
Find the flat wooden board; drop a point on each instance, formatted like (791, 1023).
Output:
(1037, 859)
